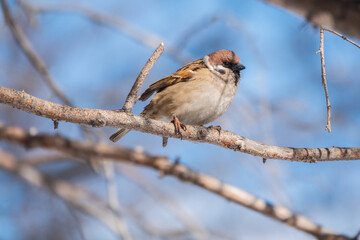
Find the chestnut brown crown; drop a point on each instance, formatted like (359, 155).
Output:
(223, 57)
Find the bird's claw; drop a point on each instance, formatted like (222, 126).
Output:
(178, 125)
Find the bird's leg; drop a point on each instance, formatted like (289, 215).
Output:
(218, 128)
(178, 125)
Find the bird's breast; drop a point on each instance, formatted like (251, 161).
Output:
(196, 102)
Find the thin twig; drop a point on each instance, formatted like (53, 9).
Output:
(323, 77)
(30, 53)
(198, 231)
(133, 94)
(36, 61)
(340, 35)
(83, 150)
(323, 72)
(114, 201)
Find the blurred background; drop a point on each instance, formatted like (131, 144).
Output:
(280, 101)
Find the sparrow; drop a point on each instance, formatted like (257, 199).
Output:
(196, 94)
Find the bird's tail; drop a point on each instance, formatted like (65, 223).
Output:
(119, 134)
(122, 132)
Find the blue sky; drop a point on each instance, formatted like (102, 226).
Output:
(280, 101)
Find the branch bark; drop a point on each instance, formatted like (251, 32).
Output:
(85, 150)
(226, 139)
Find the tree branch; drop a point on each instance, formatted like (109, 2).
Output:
(85, 150)
(31, 54)
(78, 197)
(343, 16)
(132, 97)
(226, 139)
(323, 77)
(323, 72)
(340, 35)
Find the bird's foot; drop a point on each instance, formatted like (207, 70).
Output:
(178, 125)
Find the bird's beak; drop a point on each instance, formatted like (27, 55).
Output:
(239, 67)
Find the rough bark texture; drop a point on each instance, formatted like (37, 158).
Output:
(225, 139)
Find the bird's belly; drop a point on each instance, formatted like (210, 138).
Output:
(197, 103)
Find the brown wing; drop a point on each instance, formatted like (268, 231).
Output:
(182, 75)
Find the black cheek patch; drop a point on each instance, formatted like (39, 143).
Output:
(237, 78)
(221, 71)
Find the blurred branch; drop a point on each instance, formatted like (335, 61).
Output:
(85, 150)
(226, 139)
(113, 199)
(78, 197)
(30, 53)
(343, 16)
(133, 94)
(140, 35)
(36, 60)
(198, 231)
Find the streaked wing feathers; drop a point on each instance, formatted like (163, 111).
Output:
(183, 74)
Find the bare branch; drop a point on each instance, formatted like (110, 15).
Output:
(323, 77)
(80, 198)
(323, 72)
(36, 60)
(132, 97)
(164, 200)
(31, 54)
(340, 35)
(226, 139)
(85, 150)
(113, 199)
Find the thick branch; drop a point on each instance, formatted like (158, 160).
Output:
(85, 150)
(226, 139)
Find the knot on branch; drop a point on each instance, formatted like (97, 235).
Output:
(100, 121)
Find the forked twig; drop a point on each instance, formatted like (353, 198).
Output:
(323, 73)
